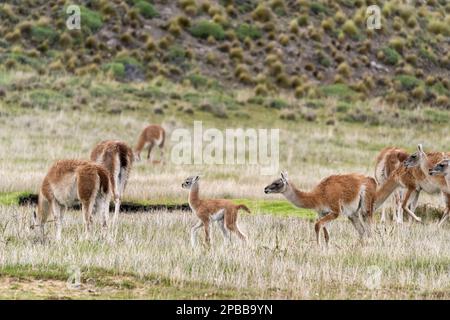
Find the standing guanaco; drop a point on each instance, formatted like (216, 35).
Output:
(347, 194)
(67, 182)
(443, 169)
(152, 135)
(424, 162)
(388, 160)
(117, 158)
(222, 211)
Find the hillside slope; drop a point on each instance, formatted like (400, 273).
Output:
(312, 48)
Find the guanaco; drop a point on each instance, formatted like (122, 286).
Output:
(349, 194)
(152, 135)
(222, 211)
(67, 182)
(443, 169)
(413, 179)
(426, 161)
(117, 158)
(388, 160)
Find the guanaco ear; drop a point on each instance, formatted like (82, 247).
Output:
(196, 179)
(420, 147)
(284, 176)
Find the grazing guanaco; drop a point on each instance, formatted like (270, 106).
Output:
(67, 182)
(426, 161)
(388, 160)
(222, 211)
(349, 194)
(152, 135)
(117, 158)
(443, 169)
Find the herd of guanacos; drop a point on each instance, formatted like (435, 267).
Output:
(93, 182)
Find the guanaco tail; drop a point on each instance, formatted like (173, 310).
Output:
(117, 158)
(152, 135)
(70, 181)
(352, 195)
(222, 211)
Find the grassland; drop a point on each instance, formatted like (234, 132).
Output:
(44, 118)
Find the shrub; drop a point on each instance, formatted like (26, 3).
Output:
(397, 43)
(439, 27)
(91, 20)
(146, 9)
(40, 34)
(408, 82)
(117, 69)
(203, 29)
(317, 8)
(391, 56)
(262, 13)
(198, 81)
(245, 30)
(350, 28)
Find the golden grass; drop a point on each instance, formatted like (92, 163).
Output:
(281, 259)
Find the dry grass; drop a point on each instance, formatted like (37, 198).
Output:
(281, 259)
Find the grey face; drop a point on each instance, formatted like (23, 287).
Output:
(412, 160)
(440, 169)
(277, 186)
(189, 182)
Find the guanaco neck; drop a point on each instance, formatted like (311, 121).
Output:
(301, 199)
(194, 198)
(391, 184)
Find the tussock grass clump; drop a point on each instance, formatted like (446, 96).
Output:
(344, 70)
(146, 9)
(204, 29)
(248, 31)
(439, 27)
(262, 13)
(350, 28)
(92, 20)
(390, 56)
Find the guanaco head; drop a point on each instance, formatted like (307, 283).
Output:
(414, 159)
(441, 169)
(189, 182)
(279, 185)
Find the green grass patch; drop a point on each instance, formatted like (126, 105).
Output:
(391, 56)
(44, 98)
(282, 208)
(92, 20)
(245, 30)
(147, 10)
(41, 33)
(12, 198)
(204, 29)
(338, 90)
(408, 82)
(117, 69)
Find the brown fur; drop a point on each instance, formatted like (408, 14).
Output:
(68, 181)
(117, 158)
(424, 162)
(387, 161)
(413, 179)
(150, 136)
(334, 195)
(206, 209)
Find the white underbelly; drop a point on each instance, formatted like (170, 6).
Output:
(65, 191)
